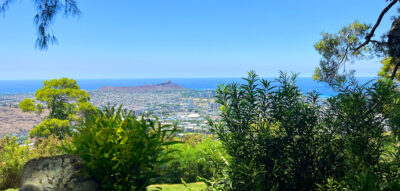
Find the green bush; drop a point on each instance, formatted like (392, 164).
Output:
(12, 158)
(280, 139)
(122, 152)
(51, 146)
(48, 127)
(193, 159)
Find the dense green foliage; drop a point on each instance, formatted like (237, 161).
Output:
(47, 147)
(122, 152)
(60, 128)
(197, 186)
(192, 159)
(270, 137)
(388, 65)
(28, 105)
(63, 98)
(66, 104)
(280, 139)
(13, 157)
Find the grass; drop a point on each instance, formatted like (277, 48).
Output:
(197, 186)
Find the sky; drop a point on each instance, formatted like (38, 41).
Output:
(180, 38)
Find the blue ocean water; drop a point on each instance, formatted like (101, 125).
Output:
(306, 84)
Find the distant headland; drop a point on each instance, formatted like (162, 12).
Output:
(164, 86)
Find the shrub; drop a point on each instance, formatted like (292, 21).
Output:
(280, 139)
(360, 126)
(48, 127)
(193, 159)
(217, 159)
(194, 138)
(50, 146)
(120, 151)
(12, 158)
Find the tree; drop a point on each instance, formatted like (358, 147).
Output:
(27, 105)
(64, 100)
(356, 41)
(46, 10)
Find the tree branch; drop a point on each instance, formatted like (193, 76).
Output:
(4, 5)
(377, 42)
(395, 70)
(371, 33)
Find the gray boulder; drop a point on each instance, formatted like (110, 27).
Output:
(58, 173)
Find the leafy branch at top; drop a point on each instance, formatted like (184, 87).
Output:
(46, 10)
(355, 42)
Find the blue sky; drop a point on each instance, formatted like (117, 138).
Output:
(180, 38)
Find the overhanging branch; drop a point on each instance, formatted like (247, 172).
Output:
(378, 22)
(4, 5)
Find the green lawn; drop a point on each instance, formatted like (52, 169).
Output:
(197, 186)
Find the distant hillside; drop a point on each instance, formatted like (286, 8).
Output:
(164, 86)
(14, 121)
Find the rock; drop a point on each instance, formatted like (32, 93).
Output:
(58, 173)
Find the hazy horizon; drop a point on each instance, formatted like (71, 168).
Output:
(181, 39)
(169, 78)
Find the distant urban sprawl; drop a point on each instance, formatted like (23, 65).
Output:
(188, 109)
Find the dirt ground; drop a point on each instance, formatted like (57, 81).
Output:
(14, 121)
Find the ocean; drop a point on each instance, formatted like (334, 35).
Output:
(306, 84)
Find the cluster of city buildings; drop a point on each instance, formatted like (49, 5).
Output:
(188, 109)
(12, 100)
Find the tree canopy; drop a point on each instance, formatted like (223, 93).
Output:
(64, 100)
(357, 41)
(46, 11)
